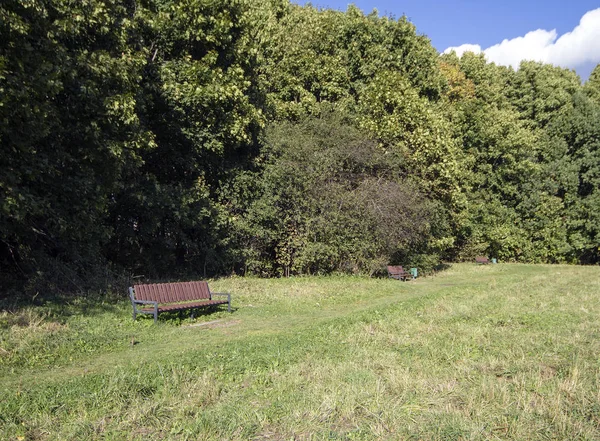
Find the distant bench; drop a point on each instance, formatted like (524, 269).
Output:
(160, 297)
(398, 273)
(481, 260)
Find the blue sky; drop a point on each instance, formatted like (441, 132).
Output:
(487, 23)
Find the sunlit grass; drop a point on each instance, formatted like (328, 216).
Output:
(494, 352)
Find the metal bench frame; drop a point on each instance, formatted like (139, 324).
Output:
(175, 297)
(398, 273)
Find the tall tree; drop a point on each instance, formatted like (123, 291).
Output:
(69, 80)
(576, 171)
(201, 102)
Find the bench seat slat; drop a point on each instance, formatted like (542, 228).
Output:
(184, 291)
(147, 293)
(154, 293)
(169, 293)
(187, 292)
(204, 291)
(194, 290)
(158, 293)
(173, 294)
(143, 295)
(163, 293)
(198, 291)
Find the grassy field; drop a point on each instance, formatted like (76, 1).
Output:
(475, 352)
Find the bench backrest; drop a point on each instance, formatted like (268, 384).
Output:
(481, 259)
(395, 269)
(172, 292)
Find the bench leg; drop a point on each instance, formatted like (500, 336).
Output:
(155, 313)
(134, 314)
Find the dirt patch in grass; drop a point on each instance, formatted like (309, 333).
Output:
(214, 324)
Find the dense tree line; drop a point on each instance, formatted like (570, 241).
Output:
(182, 138)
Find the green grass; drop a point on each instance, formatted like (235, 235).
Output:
(476, 352)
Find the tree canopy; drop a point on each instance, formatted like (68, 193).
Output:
(175, 138)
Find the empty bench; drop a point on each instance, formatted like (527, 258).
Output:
(159, 297)
(482, 260)
(398, 273)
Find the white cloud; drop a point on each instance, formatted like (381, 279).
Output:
(572, 49)
(464, 48)
(536, 45)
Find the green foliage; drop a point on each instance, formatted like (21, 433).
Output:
(317, 56)
(592, 86)
(407, 124)
(542, 92)
(200, 101)
(68, 128)
(521, 169)
(576, 134)
(491, 81)
(328, 200)
(133, 141)
(119, 124)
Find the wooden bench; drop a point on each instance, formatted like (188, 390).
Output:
(482, 260)
(159, 297)
(398, 273)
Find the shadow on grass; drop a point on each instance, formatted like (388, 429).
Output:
(441, 267)
(178, 317)
(62, 306)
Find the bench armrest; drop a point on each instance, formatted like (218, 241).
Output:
(223, 294)
(134, 302)
(145, 302)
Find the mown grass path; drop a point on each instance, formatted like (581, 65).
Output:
(494, 352)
